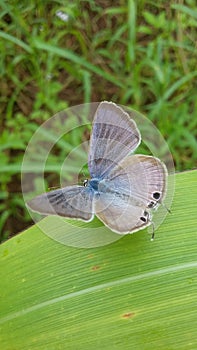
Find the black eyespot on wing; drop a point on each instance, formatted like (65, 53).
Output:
(156, 195)
(151, 204)
(143, 218)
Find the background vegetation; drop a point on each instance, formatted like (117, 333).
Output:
(56, 54)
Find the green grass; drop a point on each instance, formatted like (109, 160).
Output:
(136, 53)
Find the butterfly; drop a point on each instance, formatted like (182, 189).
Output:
(123, 187)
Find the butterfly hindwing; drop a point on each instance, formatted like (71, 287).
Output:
(135, 186)
(142, 177)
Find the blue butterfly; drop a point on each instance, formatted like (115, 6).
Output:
(123, 187)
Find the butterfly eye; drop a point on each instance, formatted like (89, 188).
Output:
(85, 183)
(156, 195)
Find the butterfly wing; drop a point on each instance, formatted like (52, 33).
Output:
(71, 202)
(121, 215)
(114, 136)
(137, 184)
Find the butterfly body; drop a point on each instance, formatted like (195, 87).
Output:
(94, 184)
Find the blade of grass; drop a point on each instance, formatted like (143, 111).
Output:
(16, 41)
(131, 32)
(177, 84)
(73, 57)
(185, 9)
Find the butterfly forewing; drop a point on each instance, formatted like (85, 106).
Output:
(114, 136)
(71, 202)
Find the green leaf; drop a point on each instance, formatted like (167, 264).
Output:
(132, 294)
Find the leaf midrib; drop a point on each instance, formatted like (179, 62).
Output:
(118, 282)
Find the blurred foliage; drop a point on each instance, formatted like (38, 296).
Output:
(56, 54)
